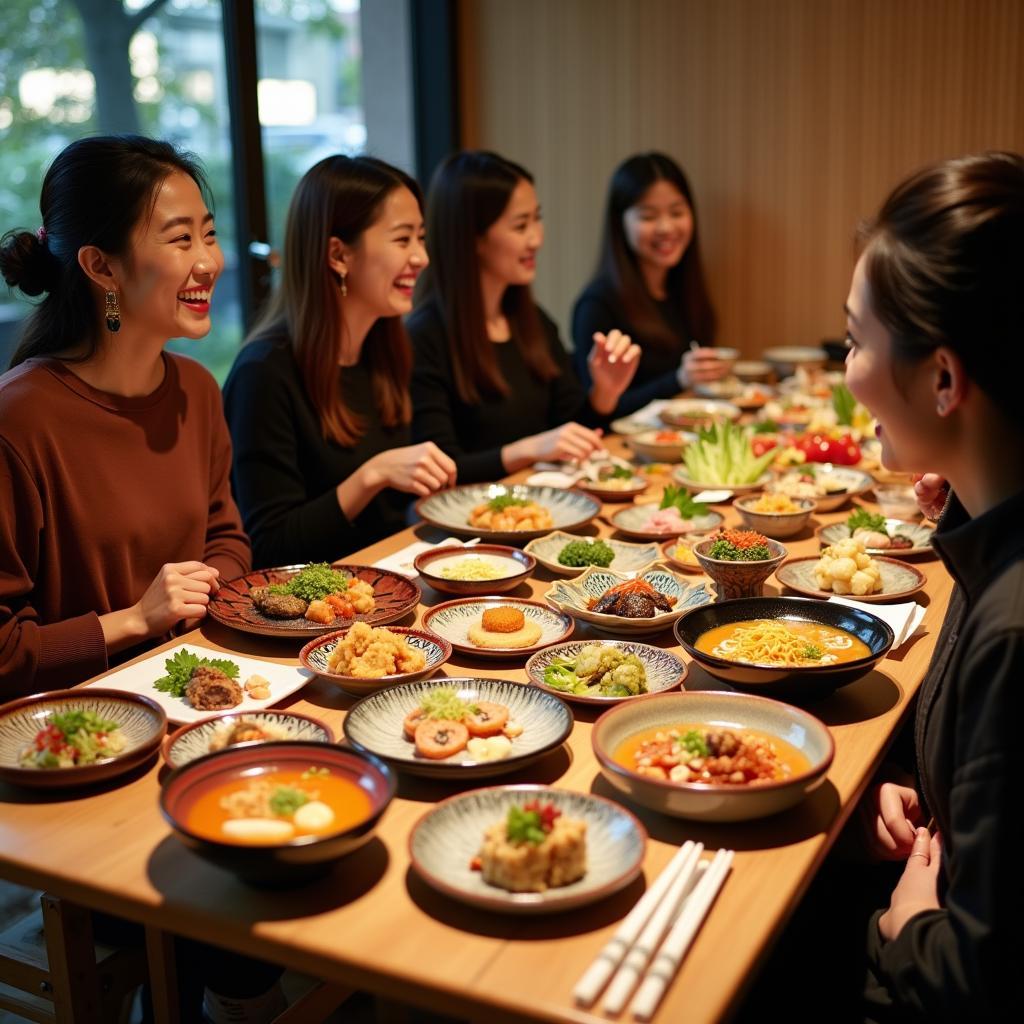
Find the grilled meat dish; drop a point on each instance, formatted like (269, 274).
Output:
(277, 606)
(635, 599)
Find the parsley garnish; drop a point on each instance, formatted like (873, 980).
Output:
(180, 667)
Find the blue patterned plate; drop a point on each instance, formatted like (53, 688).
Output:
(632, 522)
(450, 510)
(919, 534)
(374, 725)
(447, 838)
(664, 670)
(628, 557)
(453, 620)
(573, 596)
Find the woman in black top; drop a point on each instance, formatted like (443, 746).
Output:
(492, 384)
(936, 329)
(650, 283)
(318, 401)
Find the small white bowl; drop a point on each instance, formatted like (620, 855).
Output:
(775, 524)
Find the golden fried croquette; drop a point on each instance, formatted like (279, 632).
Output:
(367, 653)
(503, 620)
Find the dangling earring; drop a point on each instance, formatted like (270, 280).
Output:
(113, 313)
(344, 287)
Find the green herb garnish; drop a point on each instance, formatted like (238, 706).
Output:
(313, 583)
(70, 722)
(725, 551)
(844, 403)
(680, 498)
(578, 553)
(503, 501)
(524, 826)
(812, 653)
(861, 518)
(445, 704)
(617, 473)
(179, 671)
(766, 427)
(286, 800)
(694, 744)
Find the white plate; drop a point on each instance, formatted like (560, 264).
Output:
(628, 557)
(140, 677)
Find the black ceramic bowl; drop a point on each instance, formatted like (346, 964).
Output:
(298, 860)
(794, 683)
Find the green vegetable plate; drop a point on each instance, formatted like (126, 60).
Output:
(141, 676)
(918, 534)
(561, 665)
(709, 485)
(394, 595)
(628, 557)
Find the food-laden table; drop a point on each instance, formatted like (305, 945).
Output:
(372, 924)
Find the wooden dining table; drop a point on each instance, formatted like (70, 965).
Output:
(373, 924)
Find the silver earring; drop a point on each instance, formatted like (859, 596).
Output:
(113, 313)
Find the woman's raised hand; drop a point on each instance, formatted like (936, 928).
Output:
(612, 363)
(931, 491)
(417, 469)
(180, 593)
(568, 443)
(701, 365)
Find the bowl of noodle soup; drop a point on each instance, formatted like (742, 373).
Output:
(784, 646)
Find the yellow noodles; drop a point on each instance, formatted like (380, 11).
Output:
(766, 642)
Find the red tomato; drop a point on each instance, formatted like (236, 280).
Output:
(842, 451)
(762, 443)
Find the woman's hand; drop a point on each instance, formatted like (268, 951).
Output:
(931, 491)
(417, 469)
(700, 365)
(568, 443)
(894, 813)
(918, 887)
(612, 363)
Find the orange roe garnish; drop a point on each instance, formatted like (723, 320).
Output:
(743, 539)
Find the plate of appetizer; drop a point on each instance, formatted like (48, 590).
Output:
(308, 600)
(458, 727)
(881, 536)
(482, 569)
(568, 554)
(507, 512)
(675, 514)
(365, 658)
(241, 727)
(527, 849)
(191, 683)
(698, 412)
(497, 627)
(678, 552)
(723, 456)
(846, 568)
(605, 672)
(828, 486)
(77, 737)
(612, 481)
(638, 605)
(664, 445)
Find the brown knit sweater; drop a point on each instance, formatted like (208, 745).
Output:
(97, 492)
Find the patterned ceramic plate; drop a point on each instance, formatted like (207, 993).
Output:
(631, 521)
(665, 445)
(918, 533)
(599, 488)
(664, 670)
(628, 557)
(672, 552)
(316, 655)
(453, 620)
(140, 677)
(573, 596)
(445, 840)
(451, 509)
(850, 482)
(699, 412)
(142, 723)
(374, 725)
(898, 579)
(393, 594)
(192, 741)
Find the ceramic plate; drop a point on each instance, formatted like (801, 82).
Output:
(698, 412)
(374, 724)
(316, 655)
(393, 594)
(651, 444)
(572, 596)
(192, 741)
(452, 621)
(696, 485)
(510, 565)
(628, 557)
(450, 510)
(601, 490)
(668, 548)
(445, 840)
(898, 579)
(853, 482)
(140, 677)
(142, 724)
(630, 521)
(664, 671)
(918, 533)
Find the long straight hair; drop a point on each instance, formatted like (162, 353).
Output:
(339, 197)
(685, 288)
(469, 192)
(95, 192)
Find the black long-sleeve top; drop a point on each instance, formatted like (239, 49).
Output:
(285, 473)
(473, 435)
(961, 962)
(600, 308)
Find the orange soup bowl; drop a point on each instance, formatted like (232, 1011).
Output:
(869, 640)
(276, 831)
(801, 746)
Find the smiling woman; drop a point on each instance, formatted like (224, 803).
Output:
(116, 517)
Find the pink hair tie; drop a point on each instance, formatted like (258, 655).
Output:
(41, 234)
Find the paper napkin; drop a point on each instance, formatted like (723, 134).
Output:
(401, 561)
(904, 619)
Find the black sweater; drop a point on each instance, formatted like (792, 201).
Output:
(473, 435)
(600, 308)
(284, 473)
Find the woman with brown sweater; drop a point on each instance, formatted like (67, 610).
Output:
(116, 516)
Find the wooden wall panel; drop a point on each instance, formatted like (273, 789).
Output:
(793, 119)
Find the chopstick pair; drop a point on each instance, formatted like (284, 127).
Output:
(643, 933)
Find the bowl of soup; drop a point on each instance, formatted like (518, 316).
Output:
(784, 646)
(277, 814)
(712, 756)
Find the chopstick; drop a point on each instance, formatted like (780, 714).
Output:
(596, 976)
(676, 944)
(645, 946)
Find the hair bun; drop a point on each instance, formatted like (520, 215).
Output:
(25, 262)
